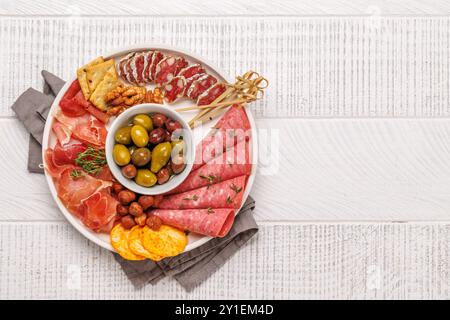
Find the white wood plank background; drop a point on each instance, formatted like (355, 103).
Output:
(359, 98)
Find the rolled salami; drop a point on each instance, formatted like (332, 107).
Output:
(225, 194)
(209, 222)
(233, 163)
(230, 129)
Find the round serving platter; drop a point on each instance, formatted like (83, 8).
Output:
(49, 140)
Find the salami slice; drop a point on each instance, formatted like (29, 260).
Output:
(192, 70)
(209, 222)
(211, 94)
(174, 89)
(129, 74)
(190, 80)
(156, 59)
(121, 65)
(165, 70)
(200, 85)
(181, 64)
(233, 163)
(225, 194)
(230, 129)
(147, 64)
(139, 64)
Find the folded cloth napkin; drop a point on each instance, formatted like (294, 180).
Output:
(190, 268)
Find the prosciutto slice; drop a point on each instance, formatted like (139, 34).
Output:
(233, 127)
(233, 163)
(67, 154)
(226, 194)
(86, 129)
(85, 196)
(209, 222)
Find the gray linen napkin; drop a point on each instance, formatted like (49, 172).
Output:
(190, 268)
(193, 267)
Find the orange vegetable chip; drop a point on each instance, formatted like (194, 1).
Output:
(166, 242)
(119, 240)
(135, 244)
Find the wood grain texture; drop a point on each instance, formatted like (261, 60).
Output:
(317, 170)
(321, 261)
(318, 67)
(222, 7)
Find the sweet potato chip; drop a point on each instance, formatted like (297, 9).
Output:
(108, 83)
(82, 78)
(135, 244)
(96, 73)
(119, 240)
(166, 242)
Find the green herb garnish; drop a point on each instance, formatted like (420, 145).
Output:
(210, 178)
(194, 198)
(235, 188)
(229, 201)
(92, 160)
(75, 174)
(210, 210)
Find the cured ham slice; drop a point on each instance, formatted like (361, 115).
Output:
(233, 163)
(200, 85)
(67, 154)
(156, 59)
(174, 89)
(98, 211)
(225, 194)
(211, 94)
(89, 107)
(192, 70)
(85, 128)
(209, 222)
(71, 108)
(86, 197)
(62, 132)
(53, 169)
(233, 127)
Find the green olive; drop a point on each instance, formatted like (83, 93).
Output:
(121, 155)
(141, 156)
(160, 156)
(145, 178)
(144, 120)
(132, 149)
(139, 135)
(178, 147)
(123, 135)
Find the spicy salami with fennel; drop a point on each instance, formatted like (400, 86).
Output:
(208, 222)
(233, 163)
(225, 194)
(233, 127)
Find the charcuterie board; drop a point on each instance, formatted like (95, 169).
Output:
(50, 139)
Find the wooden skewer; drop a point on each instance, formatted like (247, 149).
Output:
(212, 105)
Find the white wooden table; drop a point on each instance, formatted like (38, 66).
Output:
(360, 92)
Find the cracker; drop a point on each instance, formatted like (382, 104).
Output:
(167, 241)
(82, 78)
(108, 83)
(96, 73)
(119, 240)
(135, 244)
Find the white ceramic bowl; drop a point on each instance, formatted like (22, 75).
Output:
(125, 118)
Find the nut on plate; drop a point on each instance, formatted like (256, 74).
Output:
(155, 96)
(122, 98)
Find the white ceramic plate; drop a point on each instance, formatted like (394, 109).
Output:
(49, 140)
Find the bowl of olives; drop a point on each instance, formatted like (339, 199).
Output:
(150, 149)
